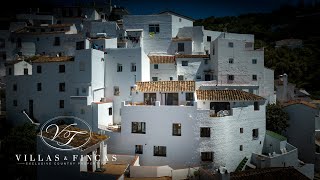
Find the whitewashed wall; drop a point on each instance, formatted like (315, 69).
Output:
(125, 79)
(301, 130)
(224, 142)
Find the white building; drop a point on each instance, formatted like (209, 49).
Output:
(124, 67)
(206, 105)
(191, 123)
(302, 132)
(45, 87)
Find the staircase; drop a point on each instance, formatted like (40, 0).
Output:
(242, 164)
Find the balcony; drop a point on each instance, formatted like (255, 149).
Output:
(221, 113)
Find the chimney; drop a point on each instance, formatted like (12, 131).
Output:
(285, 87)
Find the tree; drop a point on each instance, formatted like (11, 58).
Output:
(277, 119)
(20, 140)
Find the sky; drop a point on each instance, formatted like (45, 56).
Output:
(202, 8)
(196, 9)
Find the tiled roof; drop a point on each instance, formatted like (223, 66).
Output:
(192, 56)
(300, 102)
(78, 140)
(227, 95)
(40, 59)
(269, 173)
(181, 39)
(162, 59)
(166, 86)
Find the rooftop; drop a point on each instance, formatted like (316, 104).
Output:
(78, 140)
(177, 14)
(227, 95)
(276, 135)
(294, 102)
(166, 86)
(154, 59)
(192, 56)
(41, 59)
(181, 39)
(269, 173)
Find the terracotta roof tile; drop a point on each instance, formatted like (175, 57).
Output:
(227, 95)
(192, 56)
(166, 86)
(78, 140)
(41, 59)
(162, 59)
(181, 39)
(269, 173)
(293, 102)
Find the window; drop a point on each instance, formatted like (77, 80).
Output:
(138, 127)
(230, 77)
(61, 104)
(15, 103)
(110, 111)
(248, 44)
(179, 19)
(19, 44)
(2, 43)
(160, 151)
(230, 44)
(133, 67)
(155, 66)
(256, 106)
(241, 130)
(254, 77)
(56, 41)
(62, 87)
(15, 87)
(230, 60)
(82, 66)
(154, 28)
(138, 149)
(184, 63)
(79, 45)
(198, 76)
(25, 71)
(254, 61)
(207, 156)
(206, 61)
(38, 39)
(39, 69)
(4, 56)
(180, 78)
(10, 71)
(82, 111)
(116, 91)
(62, 68)
(241, 147)
(255, 133)
(209, 38)
(119, 67)
(189, 97)
(42, 30)
(84, 90)
(171, 78)
(204, 132)
(39, 87)
(154, 78)
(176, 129)
(180, 47)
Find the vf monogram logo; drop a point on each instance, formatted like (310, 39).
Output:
(72, 135)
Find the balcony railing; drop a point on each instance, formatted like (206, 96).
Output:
(221, 113)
